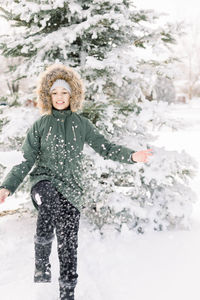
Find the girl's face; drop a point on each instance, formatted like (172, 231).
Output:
(60, 98)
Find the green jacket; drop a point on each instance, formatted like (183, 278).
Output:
(54, 145)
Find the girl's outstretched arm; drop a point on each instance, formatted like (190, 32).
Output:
(30, 149)
(110, 150)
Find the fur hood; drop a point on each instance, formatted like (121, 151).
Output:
(46, 80)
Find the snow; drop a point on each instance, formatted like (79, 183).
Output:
(156, 266)
(10, 129)
(152, 266)
(11, 158)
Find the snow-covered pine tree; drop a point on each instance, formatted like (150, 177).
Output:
(119, 50)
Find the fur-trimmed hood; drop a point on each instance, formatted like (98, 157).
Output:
(47, 78)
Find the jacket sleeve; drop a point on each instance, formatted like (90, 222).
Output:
(30, 150)
(105, 148)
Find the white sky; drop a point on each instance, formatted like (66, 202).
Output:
(178, 9)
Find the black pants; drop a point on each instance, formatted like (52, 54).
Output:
(55, 212)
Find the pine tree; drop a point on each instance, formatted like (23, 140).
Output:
(119, 51)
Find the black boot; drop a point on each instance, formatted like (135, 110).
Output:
(67, 289)
(42, 274)
(42, 265)
(67, 294)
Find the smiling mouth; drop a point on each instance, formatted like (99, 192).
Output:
(60, 102)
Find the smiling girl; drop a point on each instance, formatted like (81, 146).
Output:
(54, 145)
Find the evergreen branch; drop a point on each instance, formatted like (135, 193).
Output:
(7, 15)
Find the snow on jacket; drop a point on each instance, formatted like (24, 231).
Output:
(54, 145)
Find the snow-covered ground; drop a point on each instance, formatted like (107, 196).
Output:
(126, 266)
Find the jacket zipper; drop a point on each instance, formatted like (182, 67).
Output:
(49, 132)
(74, 133)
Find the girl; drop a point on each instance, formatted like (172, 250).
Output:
(54, 146)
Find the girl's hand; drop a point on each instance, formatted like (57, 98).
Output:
(141, 156)
(4, 193)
